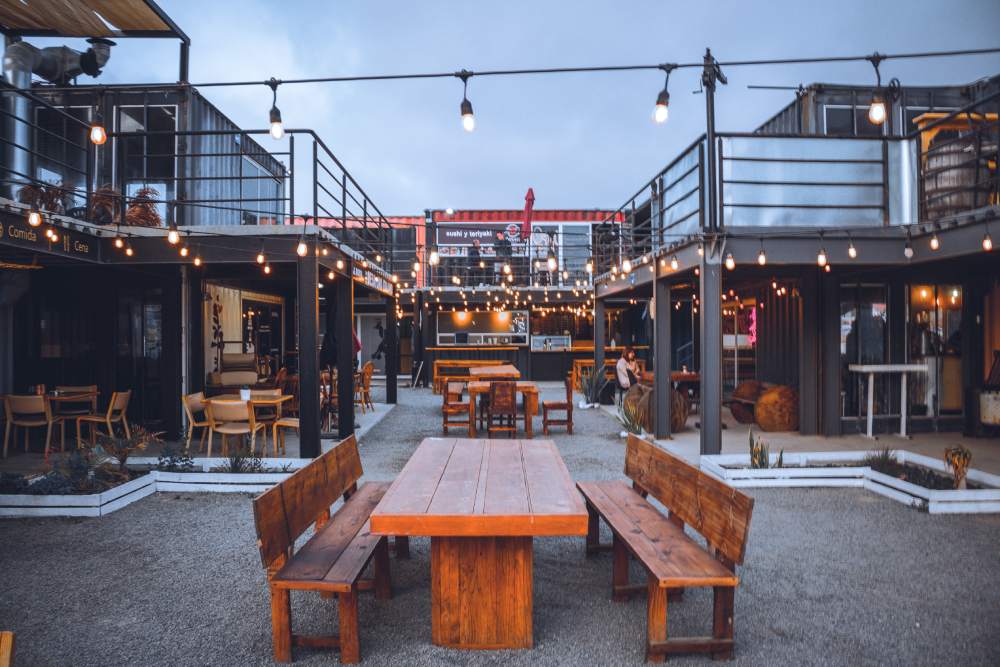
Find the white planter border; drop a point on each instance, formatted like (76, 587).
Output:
(99, 504)
(801, 475)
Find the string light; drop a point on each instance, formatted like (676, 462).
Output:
(128, 250)
(626, 266)
(761, 257)
(260, 255)
(662, 110)
(34, 217)
(935, 243)
(434, 258)
(98, 135)
(277, 129)
(267, 269)
(821, 257)
(876, 112)
(674, 264)
(465, 108)
(730, 262)
(197, 260)
(119, 242)
(184, 251)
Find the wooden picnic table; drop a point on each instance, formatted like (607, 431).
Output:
(502, 372)
(527, 389)
(481, 502)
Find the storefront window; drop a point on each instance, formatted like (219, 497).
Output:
(934, 328)
(149, 160)
(864, 339)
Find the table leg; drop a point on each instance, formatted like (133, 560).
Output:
(871, 403)
(472, 415)
(530, 408)
(481, 592)
(902, 404)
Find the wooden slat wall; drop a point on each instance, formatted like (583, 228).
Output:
(77, 18)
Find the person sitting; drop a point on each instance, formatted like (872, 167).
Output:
(626, 371)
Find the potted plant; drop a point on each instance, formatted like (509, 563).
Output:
(105, 205)
(593, 386)
(142, 209)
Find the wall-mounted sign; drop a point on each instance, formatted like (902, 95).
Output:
(16, 232)
(371, 279)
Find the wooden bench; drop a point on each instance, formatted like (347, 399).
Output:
(332, 560)
(6, 648)
(671, 558)
(443, 369)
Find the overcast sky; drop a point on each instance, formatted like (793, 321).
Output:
(580, 140)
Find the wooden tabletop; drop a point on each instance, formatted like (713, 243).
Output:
(256, 400)
(505, 371)
(482, 488)
(483, 386)
(72, 396)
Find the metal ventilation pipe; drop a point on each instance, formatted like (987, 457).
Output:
(56, 64)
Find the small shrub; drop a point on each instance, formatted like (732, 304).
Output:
(882, 460)
(242, 461)
(958, 459)
(120, 448)
(630, 417)
(593, 386)
(173, 459)
(760, 454)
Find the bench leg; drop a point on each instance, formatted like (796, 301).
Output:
(619, 577)
(402, 544)
(281, 624)
(722, 624)
(350, 650)
(593, 530)
(656, 618)
(383, 583)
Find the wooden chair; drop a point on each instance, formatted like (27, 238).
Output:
(266, 415)
(278, 431)
(332, 559)
(114, 415)
(558, 406)
(672, 559)
(502, 411)
(194, 405)
(363, 387)
(454, 406)
(28, 412)
(292, 389)
(70, 410)
(329, 403)
(231, 418)
(6, 648)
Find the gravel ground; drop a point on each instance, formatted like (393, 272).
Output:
(831, 576)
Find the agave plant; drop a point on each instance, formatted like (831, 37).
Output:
(593, 386)
(631, 417)
(759, 454)
(958, 459)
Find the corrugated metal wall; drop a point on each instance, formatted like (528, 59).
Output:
(778, 338)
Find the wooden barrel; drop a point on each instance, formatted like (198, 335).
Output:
(777, 409)
(950, 177)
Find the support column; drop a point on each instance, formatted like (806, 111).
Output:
(308, 338)
(391, 349)
(428, 337)
(809, 330)
(710, 328)
(829, 323)
(344, 335)
(662, 358)
(599, 336)
(172, 361)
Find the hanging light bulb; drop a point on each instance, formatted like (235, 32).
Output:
(589, 266)
(267, 269)
(173, 236)
(552, 263)
(119, 242)
(852, 252)
(877, 111)
(128, 250)
(184, 251)
(662, 109)
(98, 135)
(821, 257)
(378, 258)
(434, 258)
(331, 275)
(701, 250)
(301, 249)
(197, 260)
(277, 129)
(987, 242)
(730, 261)
(34, 217)
(506, 268)
(468, 118)
(416, 265)
(761, 257)
(674, 264)
(908, 250)
(626, 266)
(260, 256)
(935, 243)
(340, 265)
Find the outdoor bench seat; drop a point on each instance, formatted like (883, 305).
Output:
(672, 559)
(334, 557)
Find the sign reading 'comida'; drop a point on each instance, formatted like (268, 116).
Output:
(17, 233)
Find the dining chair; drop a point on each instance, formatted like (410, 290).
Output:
(502, 411)
(115, 414)
(278, 432)
(231, 418)
(559, 406)
(266, 415)
(454, 406)
(69, 410)
(363, 387)
(329, 403)
(194, 405)
(27, 412)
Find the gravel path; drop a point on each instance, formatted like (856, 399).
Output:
(832, 576)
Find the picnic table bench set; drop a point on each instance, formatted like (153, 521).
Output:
(482, 503)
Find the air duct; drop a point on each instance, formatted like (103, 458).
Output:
(55, 64)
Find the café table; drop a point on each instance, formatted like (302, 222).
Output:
(482, 502)
(258, 401)
(57, 401)
(527, 389)
(502, 372)
(870, 370)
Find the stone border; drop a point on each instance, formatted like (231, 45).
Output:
(801, 475)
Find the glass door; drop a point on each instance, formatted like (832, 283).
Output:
(864, 339)
(934, 334)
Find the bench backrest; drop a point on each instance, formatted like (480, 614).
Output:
(285, 511)
(720, 513)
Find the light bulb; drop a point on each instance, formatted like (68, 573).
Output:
(302, 249)
(701, 250)
(197, 260)
(761, 257)
(662, 110)
(119, 242)
(434, 258)
(674, 263)
(378, 258)
(331, 275)
(852, 252)
(267, 268)
(260, 257)
(34, 218)
(173, 237)
(277, 129)
(506, 268)
(552, 263)
(876, 112)
(821, 257)
(468, 118)
(626, 266)
(98, 135)
(908, 250)
(590, 266)
(340, 265)
(416, 266)
(730, 262)
(987, 242)
(129, 251)
(935, 243)
(184, 251)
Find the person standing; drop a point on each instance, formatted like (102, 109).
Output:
(626, 370)
(475, 273)
(505, 251)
